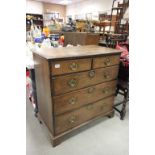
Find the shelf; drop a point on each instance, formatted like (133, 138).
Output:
(36, 21)
(117, 8)
(47, 19)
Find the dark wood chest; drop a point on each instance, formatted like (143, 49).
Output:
(75, 86)
(81, 38)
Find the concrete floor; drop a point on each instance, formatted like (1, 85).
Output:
(102, 137)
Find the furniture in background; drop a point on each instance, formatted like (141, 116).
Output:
(123, 89)
(102, 25)
(75, 86)
(34, 93)
(81, 38)
(111, 40)
(32, 89)
(120, 28)
(123, 83)
(36, 19)
(105, 22)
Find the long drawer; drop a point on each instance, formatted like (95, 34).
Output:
(70, 66)
(74, 118)
(73, 100)
(67, 83)
(106, 61)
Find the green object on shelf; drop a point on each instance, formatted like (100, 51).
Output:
(52, 27)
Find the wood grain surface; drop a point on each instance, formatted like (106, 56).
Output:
(70, 66)
(74, 118)
(84, 79)
(106, 61)
(63, 103)
(44, 99)
(74, 52)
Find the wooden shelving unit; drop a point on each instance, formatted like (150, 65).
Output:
(120, 10)
(36, 19)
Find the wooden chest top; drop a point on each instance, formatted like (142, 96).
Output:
(74, 52)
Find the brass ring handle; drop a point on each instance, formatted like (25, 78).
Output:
(91, 90)
(73, 66)
(90, 106)
(105, 91)
(72, 119)
(107, 62)
(91, 73)
(72, 83)
(72, 100)
(106, 75)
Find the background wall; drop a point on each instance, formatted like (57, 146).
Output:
(89, 6)
(81, 8)
(48, 7)
(34, 7)
(40, 8)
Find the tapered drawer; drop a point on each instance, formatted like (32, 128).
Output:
(70, 66)
(74, 118)
(76, 99)
(106, 61)
(67, 83)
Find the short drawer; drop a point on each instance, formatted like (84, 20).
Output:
(70, 66)
(67, 83)
(76, 99)
(106, 61)
(69, 120)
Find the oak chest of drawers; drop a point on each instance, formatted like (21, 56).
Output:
(75, 86)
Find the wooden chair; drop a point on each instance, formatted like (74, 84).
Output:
(123, 89)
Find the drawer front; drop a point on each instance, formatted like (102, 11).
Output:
(74, 118)
(76, 99)
(106, 61)
(67, 83)
(70, 66)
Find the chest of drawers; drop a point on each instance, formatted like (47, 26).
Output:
(75, 86)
